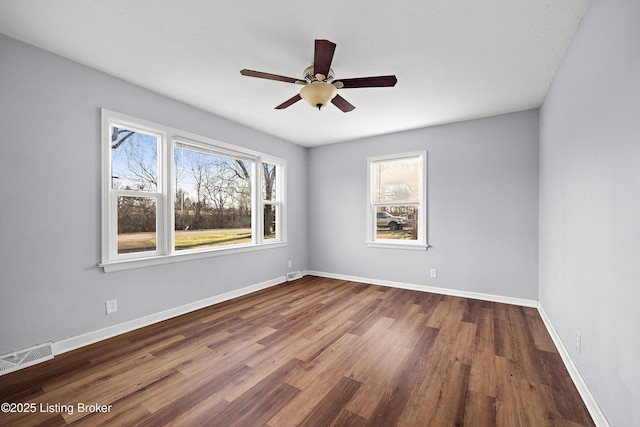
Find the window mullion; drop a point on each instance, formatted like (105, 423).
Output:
(397, 203)
(135, 193)
(256, 202)
(282, 200)
(166, 223)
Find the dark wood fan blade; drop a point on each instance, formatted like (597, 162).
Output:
(268, 76)
(378, 81)
(342, 104)
(323, 56)
(289, 102)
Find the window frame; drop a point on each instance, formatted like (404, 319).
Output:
(165, 252)
(421, 243)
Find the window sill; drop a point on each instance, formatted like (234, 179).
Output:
(408, 246)
(129, 264)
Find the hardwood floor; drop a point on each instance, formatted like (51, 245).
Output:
(313, 352)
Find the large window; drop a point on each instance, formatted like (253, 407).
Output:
(396, 214)
(170, 195)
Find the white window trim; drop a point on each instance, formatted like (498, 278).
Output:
(165, 219)
(421, 243)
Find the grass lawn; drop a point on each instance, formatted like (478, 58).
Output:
(204, 241)
(184, 240)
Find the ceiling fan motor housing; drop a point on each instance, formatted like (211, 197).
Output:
(310, 77)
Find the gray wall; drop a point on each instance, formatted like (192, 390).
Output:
(482, 207)
(590, 205)
(51, 287)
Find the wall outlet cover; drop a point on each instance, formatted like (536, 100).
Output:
(111, 306)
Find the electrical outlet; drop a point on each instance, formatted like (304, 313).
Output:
(111, 306)
(433, 273)
(289, 264)
(578, 342)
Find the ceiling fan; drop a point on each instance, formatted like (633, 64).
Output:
(320, 88)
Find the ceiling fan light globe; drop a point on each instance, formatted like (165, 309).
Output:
(318, 94)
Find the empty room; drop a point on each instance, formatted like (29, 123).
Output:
(416, 213)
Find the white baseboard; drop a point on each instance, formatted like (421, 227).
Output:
(442, 291)
(592, 405)
(78, 341)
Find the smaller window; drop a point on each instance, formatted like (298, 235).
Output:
(271, 201)
(396, 213)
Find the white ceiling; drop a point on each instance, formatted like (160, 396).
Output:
(454, 59)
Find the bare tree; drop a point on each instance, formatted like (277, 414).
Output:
(199, 171)
(118, 136)
(269, 180)
(140, 157)
(222, 185)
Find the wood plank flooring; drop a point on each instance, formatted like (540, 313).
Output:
(313, 352)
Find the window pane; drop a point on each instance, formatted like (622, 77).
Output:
(397, 222)
(397, 179)
(136, 224)
(270, 221)
(269, 181)
(134, 160)
(212, 200)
